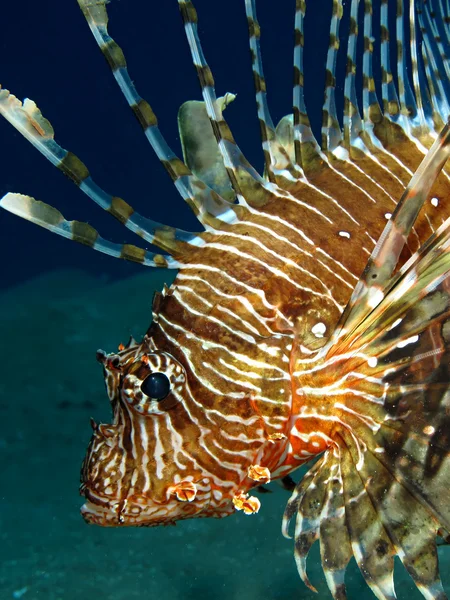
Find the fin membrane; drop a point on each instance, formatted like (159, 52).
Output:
(383, 379)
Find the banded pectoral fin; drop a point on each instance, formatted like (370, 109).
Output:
(362, 510)
(381, 488)
(318, 507)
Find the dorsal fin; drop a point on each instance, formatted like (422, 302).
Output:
(306, 148)
(249, 186)
(277, 160)
(199, 197)
(331, 129)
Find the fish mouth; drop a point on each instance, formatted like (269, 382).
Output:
(99, 510)
(139, 510)
(95, 514)
(112, 512)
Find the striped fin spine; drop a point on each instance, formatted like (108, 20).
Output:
(277, 159)
(418, 76)
(203, 201)
(50, 218)
(306, 148)
(370, 101)
(352, 118)
(30, 122)
(331, 130)
(391, 105)
(250, 188)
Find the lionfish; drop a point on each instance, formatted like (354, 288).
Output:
(309, 318)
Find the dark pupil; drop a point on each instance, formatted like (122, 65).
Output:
(156, 386)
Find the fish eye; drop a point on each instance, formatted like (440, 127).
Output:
(156, 386)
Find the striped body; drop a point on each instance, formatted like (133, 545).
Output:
(311, 315)
(249, 349)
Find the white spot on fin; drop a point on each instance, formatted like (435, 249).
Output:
(319, 329)
(412, 340)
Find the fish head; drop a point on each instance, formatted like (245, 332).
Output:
(142, 470)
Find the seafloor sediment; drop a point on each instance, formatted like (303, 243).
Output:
(50, 386)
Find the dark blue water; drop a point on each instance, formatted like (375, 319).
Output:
(49, 55)
(61, 301)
